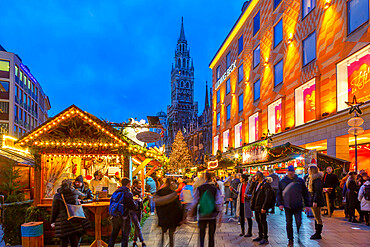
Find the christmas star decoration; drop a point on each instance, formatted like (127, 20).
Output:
(354, 106)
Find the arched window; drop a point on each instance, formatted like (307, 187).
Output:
(179, 62)
(183, 62)
(187, 84)
(188, 64)
(181, 84)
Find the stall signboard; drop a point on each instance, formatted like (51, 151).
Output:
(311, 158)
(255, 153)
(359, 78)
(213, 164)
(132, 132)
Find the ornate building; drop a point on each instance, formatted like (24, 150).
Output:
(183, 111)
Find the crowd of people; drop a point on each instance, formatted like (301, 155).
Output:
(206, 198)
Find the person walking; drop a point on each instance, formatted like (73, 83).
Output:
(331, 182)
(136, 215)
(242, 210)
(292, 190)
(209, 199)
(169, 210)
(262, 200)
(315, 187)
(186, 197)
(68, 231)
(151, 187)
(121, 203)
(274, 185)
(364, 198)
(228, 196)
(352, 197)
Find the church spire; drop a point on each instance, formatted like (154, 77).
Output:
(182, 32)
(206, 105)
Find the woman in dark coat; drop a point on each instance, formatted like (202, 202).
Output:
(169, 210)
(69, 231)
(352, 197)
(315, 187)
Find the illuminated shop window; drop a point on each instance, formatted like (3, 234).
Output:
(228, 61)
(238, 135)
(307, 6)
(309, 48)
(358, 13)
(218, 73)
(256, 56)
(228, 88)
(305, 106)
(240, 73)
(4, 69)
(256, 23)
(278, 33)
(353, 78)
(241, 102)
(240, 44)
(253, 127)
(21, 75)
(274, 117)
(4, 86)
(4, 107)
(16, 71)
(218, 119)
(16, 113)
(257, 90)
(218, 96)
(228, 112)
(278, 73)
(276, 3)
(4, 128)
(225, 140)
(215, 145)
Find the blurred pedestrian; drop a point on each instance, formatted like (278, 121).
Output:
(136, 215)
(292, 190)
(331, 182)
(228, 196)
(242, 209)
(83, 187)
(364, 198)
(234, 190)
(169, 210)
(352, 197)
(180, 185)
(151, 188)
(274, 184)
(186, 197)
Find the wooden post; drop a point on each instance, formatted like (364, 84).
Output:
(39, 182)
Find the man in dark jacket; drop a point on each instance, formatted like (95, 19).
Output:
(234, 191)
(260, 205)
(291, 191)
(83, 187)
(120, 215)
(331, 182)
(274, 184)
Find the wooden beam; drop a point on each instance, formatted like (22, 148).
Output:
(140, 167)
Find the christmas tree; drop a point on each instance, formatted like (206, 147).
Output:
(180, 156)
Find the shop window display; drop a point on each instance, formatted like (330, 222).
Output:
(274, 117)
(305, 106)
(225, 140)
(215, 145)
(238, 135)
(253, 127)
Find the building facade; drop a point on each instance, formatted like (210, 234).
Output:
(287, 67)
(23, 104)
(183, 111)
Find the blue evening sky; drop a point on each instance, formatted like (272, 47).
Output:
(113, 58)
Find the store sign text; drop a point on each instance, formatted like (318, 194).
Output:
(225, 75)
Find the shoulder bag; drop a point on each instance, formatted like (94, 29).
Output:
(74, 211)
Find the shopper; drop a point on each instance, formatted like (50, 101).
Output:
(67, 230)
(292, 190)
(209, 199)
(241, 207)
(136, 215)
(169, 211)
(251, 186)
(331, 182)
(352, 197)
(317, 201)
(151, 188)
(364, 198)
(186, 197)
(83, 187)
(234, 190)
(180, 186)
(262, 200)
(99, 182)
(121, 203)
(274, 184)
(228, 196)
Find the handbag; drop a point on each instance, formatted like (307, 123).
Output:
(74, 211)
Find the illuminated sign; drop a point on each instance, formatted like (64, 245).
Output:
(359, 78)
(27, 71)
(225, 75)
(213, 164)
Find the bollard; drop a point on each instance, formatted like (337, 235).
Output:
(32, 234)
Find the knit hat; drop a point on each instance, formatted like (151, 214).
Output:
(79, 179)
(290, 168)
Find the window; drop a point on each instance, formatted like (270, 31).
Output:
(241, 102)
(225, 140)
(278, 33)
(256, 56)
(16, 71)
(228, 61)
(16, 112)
(228, 89)
(4, 107)
(240, 73)
(276, 3)
(274, 117)
(256, 23)
(25, 99)
(240, 44)
(309, 48)
(228, 113)
(218, 119)
(16, 93)
(4, 128)
(307, 6)
(305, 105)
(15, 131)
(21, 75)
(4, 86)
(358, 13)
(238, 135)
(20, 114)
(4, 69)
(218, 96)
(253, 127)
(215, 145)
(257, 90)
(278, 73)
(218, 73)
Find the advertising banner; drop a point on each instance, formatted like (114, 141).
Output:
(309, 103)
(278, 118)
(358, 79)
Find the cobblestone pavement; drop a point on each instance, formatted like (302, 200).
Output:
(337, 233)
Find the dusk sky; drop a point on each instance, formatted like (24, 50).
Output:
(113, 58)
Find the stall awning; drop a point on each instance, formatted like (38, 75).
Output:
(16, 157)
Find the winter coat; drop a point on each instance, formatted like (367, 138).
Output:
(212, 189)
(365, 204)
(352, 193)
(260, 195)
(168, 208)
(137, 192)
(63, 226)
(227, 188)
(275, 181)
(291, 192)
(316, 190)
(86, 192)
(234, 188)
(150, 185)
(331, 181)
(186, 195)
(247, 202)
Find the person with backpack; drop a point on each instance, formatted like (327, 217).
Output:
(209, 200)
(186, 197)
(121, 203)
(291, 191)
(263, 198)
(136, 215)
(364, 198)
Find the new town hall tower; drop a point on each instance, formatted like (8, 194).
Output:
(183, 111)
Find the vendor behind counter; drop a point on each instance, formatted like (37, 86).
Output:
(99, 182)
